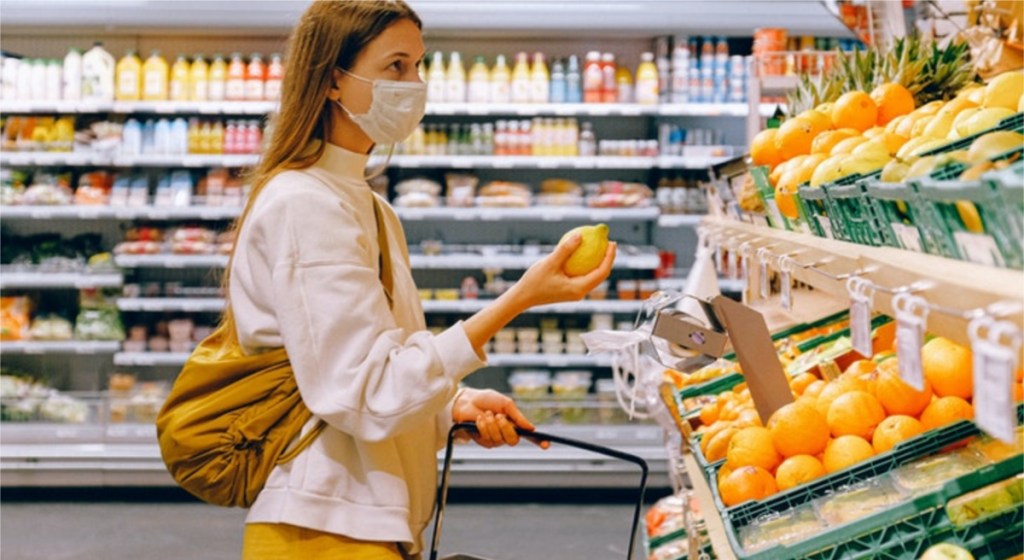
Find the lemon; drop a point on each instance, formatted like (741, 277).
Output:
(828, 170)
(939, 126)
(873, 149)
(922, 167)
(921, 124)
(994, 144)
(873, 132)
(960, 122)
(955, 106)
(1020, 104)
(969, 216)
(895, 171)
(589, 255)
(865, 163)
(986, 119)
(1004, 91)
(847, 146)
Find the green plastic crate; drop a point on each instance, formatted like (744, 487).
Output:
(1009, 183)
(813, 202)
(767, 194)
(905, 531)
(854, 211)
(897, 217)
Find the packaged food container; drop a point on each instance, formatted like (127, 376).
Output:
(859, 500)
(571, 387)
(553, 347)
(505, 335)
(504, 347)
(600, 292)
(647, 288)
(447, 295)
(527, 334)
(601, 322)
(627, 289)
(986, 502)
(426, 294)
(548, 324)
(926, 475)
(530, 384)
(608, 411)
(791, 526)
(551, 336)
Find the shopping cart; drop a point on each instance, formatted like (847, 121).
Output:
(442, 491)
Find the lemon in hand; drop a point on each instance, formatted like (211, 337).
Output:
(589, 255)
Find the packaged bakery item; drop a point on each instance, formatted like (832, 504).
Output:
(617, 194)
(504, 194)
(461, 190)
(418, 193)
(560, 192)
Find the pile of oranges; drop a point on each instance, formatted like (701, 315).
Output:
(832, 425)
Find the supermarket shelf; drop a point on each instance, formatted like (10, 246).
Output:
(680, 220)
(946, 283)
(78, 280)
(60, 347)
(539, 213)
(585, 306)
(155, 359)
(123, 455)
(128, 107)
(154, 213)
(712, 519)
(184, 305)
(74, 159)
(555, 162)
(778, 84)
(171, 261)
(468, 261)
(150, 359)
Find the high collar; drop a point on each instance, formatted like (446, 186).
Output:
(342, 163)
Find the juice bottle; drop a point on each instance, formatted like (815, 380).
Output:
(558, 86)
(664, 66)
(609, 90)
(540, 81)
(707, 53)
(154, 78)
(255, 76)
(39, 78)
(521, 80)
(129, 78)
(479, 82)
(54, 79)
(217, 138)
(501, 78)
(179, 86)
(587, 145)
(179, 136)
(573, 86)
(593, 78)
(680, 71)
(199, 79)
(624, 84)
(72, 79)
(218, 76)
(234, 89)
(193, 135)
(436, 89)
(275, 75)
(455, 80)
(647, 80)
(97, 74)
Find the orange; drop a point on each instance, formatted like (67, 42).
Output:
(893, 430)
(752, 446)
(946, 410)
(895, 395)
(800, 383)
(814, 389)
(785, 198)
(798, 429)
(893, 100)
(884, 338)
(711, 432)
(746, 483)
(827, 395)
(797, 470)
(855, 413)
(949, 367)
(748, 417)
(846, 145)
(860, 367)
(845, 451)
(763, 150)
(794, 138)
(819, 120)
(855, 109)
(723, 471)
(718, 445)
(783, 167)
(1018, 392)
(709, 413)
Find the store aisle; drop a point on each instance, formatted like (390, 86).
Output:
(176, 531)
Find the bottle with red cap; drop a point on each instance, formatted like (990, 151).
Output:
(255, 77)
(593, 78)
(609, 88)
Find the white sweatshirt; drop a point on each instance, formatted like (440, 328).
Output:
(305, 276)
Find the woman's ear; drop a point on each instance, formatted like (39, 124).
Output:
(334, 94)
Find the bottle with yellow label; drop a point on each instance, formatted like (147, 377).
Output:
(179, 85)
(218, 77)
(154, 78)
(129, 78)
(199, 79)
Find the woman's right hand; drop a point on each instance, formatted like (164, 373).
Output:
(546, 281)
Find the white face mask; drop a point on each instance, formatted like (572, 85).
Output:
(395, 110)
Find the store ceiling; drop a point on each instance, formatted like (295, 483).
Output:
(441, 17)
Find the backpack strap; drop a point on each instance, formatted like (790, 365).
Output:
(387, 278)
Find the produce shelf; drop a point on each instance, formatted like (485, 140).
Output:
(585, 306)
(77, 280)
(157, 359)
(184, 305)
(553, 162)
(537, 213)
(151, 359)
(154, 213)
(60, 347)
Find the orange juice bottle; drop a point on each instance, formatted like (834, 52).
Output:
(647, 80)
(199, 79)
(235, 83)
(275, 75)
(218, 77)
(129, 78)
(540, 80)
(154, 78)
(255, 76)
(179, 86)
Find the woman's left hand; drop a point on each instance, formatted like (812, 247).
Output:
(496, 417)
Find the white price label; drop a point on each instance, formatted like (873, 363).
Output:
(908, 236)
(762, 271)
(734, 265)
(911, 318)
(745, 272)
(979, 248)
(861, 294)
(994, 367)
(787, 290)
(774, 214)
(826, 227)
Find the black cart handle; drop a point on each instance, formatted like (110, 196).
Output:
(442, 491)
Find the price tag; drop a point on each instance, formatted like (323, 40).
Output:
(861, 295)
(41, 214)
(734, 265)
(786, 281)
(762, 271)
(979, 248)
(558, 362)
(502, 162)
(994, 367)
(908, 236)
(826, 227)
(911, 318)
(745, 272)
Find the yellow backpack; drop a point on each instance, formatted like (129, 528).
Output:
(230, 418)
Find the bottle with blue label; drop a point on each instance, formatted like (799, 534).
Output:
(131, 138)
(179, 137)
(559, 91)
(149, 137)
(573, 85)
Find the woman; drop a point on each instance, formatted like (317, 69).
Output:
(308, 273)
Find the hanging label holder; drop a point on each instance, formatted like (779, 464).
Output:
(995, 346)
(786, 282)
(911, 320)
(745, 252)
(763, 256)
(861, 296)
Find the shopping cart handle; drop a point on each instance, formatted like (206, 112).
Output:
(442, 491)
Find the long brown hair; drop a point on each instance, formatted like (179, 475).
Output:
(330, 34)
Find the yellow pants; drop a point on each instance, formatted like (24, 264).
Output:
(277, 541)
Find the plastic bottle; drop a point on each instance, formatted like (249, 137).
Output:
(193, 135)
(24, 85)
(721, 54)
(587, 141)
(501, 77)
(436, 89)
(39, 79)
(162, 137)
(680, 71)
(573, 86)
(255, 78)
(664, 66)
(179, 85)
(199, 79)
(479, 82)
(179, 137)
(97, 74)
(149, 137)
(540, 80)
(253, 137)
(558, 92)
(624, 84)
(131, 138)
(234, 89)
(275, 76)
(500, 138)
(218, 76)
(647, 80)
(9, 77)
(455, 80)
(72, 79)
(521, 79)
(54, 80)
(217, 138)
(609, 90)
(593, 78)
(154, 78)
(707, 53)
(129, 78)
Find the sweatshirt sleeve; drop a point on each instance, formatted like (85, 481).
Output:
(355, 368)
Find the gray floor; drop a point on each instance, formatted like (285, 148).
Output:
(186, 531)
